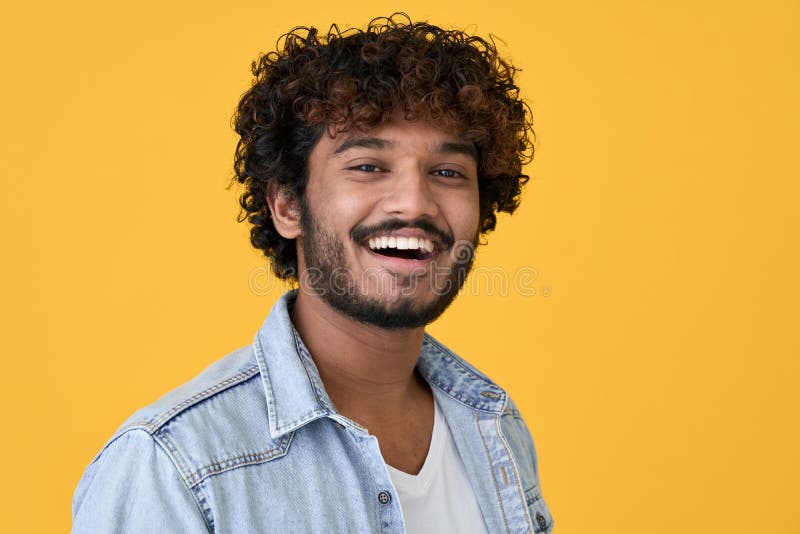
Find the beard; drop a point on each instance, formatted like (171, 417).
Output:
(328, 275)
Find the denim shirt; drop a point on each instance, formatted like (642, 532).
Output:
(254, 444)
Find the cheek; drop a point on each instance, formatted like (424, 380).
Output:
(350, 204)
(340, 208)
(463, 213)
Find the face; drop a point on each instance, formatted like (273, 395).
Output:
(389, 222)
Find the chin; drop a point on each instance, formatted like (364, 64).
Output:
(392, 313)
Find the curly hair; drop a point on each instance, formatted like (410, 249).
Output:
(357, 79)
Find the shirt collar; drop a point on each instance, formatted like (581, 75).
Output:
(296, 396)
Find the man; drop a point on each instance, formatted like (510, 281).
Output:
(372, 162)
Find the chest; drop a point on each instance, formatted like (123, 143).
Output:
(332, 479)
(405, 451)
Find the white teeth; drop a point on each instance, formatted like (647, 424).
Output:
(401, 243)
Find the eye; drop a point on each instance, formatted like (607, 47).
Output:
(448, 173)
(365, 167)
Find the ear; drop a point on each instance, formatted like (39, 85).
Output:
(284, 209)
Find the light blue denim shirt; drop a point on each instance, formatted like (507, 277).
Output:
(254, 444)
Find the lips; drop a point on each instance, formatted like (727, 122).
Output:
(397, 257)
(402, 246)
(416, 254)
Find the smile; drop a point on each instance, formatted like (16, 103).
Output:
(409, 248)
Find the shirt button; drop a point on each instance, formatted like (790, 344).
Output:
(384, 497)
(542, 522)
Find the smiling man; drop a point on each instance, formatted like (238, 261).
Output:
(372, 161)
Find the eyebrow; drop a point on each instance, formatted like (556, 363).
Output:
(363, 142)
(466, 149)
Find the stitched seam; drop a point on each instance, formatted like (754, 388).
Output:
(516, 472)
(235, 379)
(466, 402)
(175, 456)
(291, 425)
(438, 346)
(177, 461)
(531, 496)
(301, 351)
(152, 426)
(203, 498)
(463, 370)
(143, 424)
(266, 381)
(241, 460)
(491, 468)
(300, 421)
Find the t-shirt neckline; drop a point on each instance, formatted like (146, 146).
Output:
(417, 484)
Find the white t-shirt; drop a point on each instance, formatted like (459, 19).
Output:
(439, 499)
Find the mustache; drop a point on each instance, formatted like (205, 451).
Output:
(360, 234)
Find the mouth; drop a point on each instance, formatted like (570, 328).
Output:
(413, 250)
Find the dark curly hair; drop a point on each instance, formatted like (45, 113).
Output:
(357, 79)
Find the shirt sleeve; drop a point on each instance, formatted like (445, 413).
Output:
(133, 487)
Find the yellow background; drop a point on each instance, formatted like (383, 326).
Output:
(657, 364)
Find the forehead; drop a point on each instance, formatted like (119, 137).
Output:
(399, 135)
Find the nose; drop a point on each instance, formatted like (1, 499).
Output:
(410, 196)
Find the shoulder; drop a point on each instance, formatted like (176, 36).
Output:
(213, 423)
(455, 362)
(454, 375)
(462, 380)
(145, 476)
(134, 487)
(224, 379)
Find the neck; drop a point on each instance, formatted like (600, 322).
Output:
(368, 371)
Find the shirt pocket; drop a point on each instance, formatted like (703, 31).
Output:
(540, 514)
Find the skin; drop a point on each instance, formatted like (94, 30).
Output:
(407, 170)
